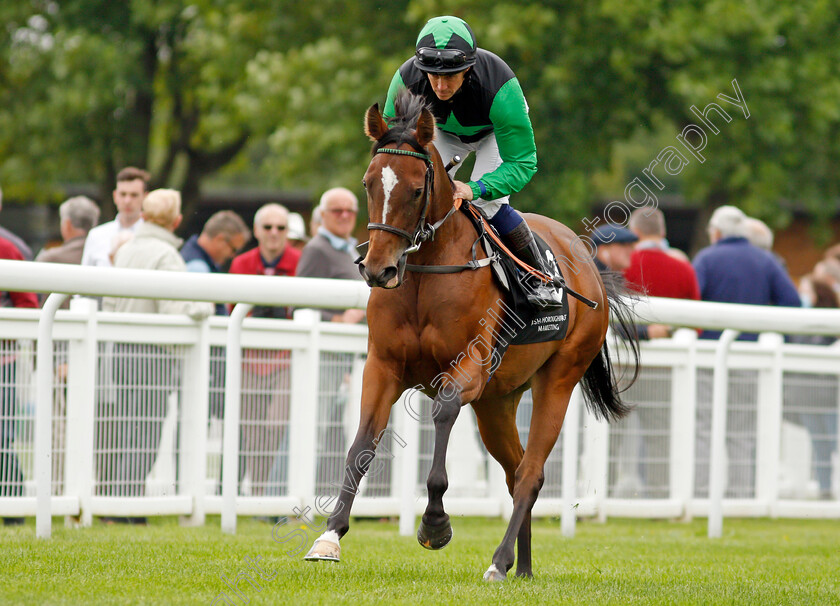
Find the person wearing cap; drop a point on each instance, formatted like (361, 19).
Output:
(614, 247)
(297, 237)
(479, 107)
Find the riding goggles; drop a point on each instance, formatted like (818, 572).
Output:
(446, 58)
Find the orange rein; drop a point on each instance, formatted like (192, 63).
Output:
(492, 234)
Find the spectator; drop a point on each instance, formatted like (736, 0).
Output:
(297, 231)
(828, 271)
(315, 221)
(145, 375)
(833, 252)
(16, 241)
(272, 256)
(818, 294)
(652, 270)
(614, 247)
(758, 233)
(11, 477)
(761, 236)
(732, 270)
(331, 253)
(78, 216)
(223, 235)
(265, 373)
(132, 186)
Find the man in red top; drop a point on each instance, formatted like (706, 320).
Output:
(265, 376)
(11, 478)
(272, 256)
(653, 271)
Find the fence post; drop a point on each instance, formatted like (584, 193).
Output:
(233, 393)
(683, 423)
(81, 409)
(303, 413)
(595, 461)
(769, 423)
(43, 417)
(571, 429)
(717, 472)
(195, 394)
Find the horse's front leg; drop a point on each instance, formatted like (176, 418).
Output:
(435, 531)
(380, 390)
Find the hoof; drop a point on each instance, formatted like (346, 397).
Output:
(325, 549)
(434, 537)
(494, 575)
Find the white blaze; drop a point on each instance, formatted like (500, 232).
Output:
(389, 181)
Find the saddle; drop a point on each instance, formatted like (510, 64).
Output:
(523, 323)
(533, 324)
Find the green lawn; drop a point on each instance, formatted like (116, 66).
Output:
(621, 562)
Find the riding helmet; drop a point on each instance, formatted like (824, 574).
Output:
(446, 45)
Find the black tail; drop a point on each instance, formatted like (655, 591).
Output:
(600, 385)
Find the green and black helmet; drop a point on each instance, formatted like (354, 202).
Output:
(446, 45)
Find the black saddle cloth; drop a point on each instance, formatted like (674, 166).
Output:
(524, 322)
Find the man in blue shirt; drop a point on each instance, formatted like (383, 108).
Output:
(732, 270)
(223, 235)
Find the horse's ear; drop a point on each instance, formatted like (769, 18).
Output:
(425, 128)
(375, 126)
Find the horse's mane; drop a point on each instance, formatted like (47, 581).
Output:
(407, 109)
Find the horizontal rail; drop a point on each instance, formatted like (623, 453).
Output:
(181, 286)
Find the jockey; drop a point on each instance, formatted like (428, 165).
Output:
(478, 107)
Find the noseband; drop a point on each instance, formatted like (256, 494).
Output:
(423, 231)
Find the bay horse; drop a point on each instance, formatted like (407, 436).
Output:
(432, 329)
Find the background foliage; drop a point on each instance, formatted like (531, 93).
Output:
(268, 94)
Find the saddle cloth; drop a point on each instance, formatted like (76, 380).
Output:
(530, 323)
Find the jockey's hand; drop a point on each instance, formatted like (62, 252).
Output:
(463, 191)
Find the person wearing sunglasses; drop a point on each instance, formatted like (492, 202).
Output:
(273, 255)
(479, 107)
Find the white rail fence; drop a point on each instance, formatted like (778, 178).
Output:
(134, 415)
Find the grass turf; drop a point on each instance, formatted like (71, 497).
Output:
(621, 562)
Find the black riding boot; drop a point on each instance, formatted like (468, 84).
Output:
(524, 246)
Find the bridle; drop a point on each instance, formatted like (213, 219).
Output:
(423, 231)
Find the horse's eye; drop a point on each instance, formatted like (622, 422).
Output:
(364, 184)
(418, 192)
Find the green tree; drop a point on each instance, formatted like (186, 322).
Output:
(273, 95)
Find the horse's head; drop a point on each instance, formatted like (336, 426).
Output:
(400, 187)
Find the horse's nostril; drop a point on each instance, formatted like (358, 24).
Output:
(388, 274)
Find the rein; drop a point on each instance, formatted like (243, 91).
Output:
(425, 232)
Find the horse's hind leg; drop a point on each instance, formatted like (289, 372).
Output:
(551, 398)
(497, 424)
(435, 531)
(379, 392)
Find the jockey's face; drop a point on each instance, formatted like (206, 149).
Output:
(446, 85)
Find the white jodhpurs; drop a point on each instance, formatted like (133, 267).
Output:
(487, 159)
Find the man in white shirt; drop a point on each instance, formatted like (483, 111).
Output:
(132, 187)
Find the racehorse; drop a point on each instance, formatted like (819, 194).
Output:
(434, 329)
